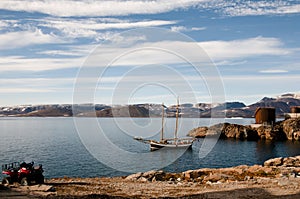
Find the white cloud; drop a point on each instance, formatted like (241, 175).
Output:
(128, 7)
(19, 39)
(230, 63)
(216, 50)
(61, 52)
(143, 53)
(24, 90)
(178, 28)
(90, 27)
(96, 8)
(18, 63)
(72, 50)
(245, 8)
(198, 28)
(274, 71)
(262, 79)
(185, 29)
(3, 24)
(65, 53)
(244, 48)
(34, 85)
(8, 24)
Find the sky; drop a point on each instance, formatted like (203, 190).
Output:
(135, 51)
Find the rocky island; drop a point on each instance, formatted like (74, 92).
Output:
(283, 130)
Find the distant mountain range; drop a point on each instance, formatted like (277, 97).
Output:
(282, 104)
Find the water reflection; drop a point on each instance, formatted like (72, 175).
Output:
(265, 149)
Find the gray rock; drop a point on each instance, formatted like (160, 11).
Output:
(217, 177)
(274, 162)
(158, 175)
(142, 179)
(134, 176)
(41, 188)
(283, 182)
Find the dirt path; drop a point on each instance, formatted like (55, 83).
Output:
(8, 193)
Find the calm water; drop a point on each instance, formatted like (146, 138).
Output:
(55, 143)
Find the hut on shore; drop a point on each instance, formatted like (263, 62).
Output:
(295, 112)
(295, 109)
(265, 115)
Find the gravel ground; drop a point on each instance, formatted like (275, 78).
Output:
(119, 188)
(67, 188)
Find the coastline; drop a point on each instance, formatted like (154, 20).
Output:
(276, 178)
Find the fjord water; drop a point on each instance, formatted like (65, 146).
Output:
(55, 143)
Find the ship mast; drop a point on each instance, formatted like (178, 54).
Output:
(177, 115)
(162, 123)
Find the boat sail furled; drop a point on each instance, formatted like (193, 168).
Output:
(169, 142)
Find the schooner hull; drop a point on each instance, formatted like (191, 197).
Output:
(156, 145)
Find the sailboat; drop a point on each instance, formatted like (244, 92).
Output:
(168, 142)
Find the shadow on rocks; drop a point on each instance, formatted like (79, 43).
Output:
(237, 194)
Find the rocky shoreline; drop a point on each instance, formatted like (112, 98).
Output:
(276, 178)
(283, 130)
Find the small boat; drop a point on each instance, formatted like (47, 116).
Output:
(168, 142)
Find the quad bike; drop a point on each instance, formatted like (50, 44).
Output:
(24, 173)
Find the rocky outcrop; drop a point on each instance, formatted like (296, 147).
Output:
(199, 132)
(271, 132)
(274, 162)
(283, 130)
(291, 128)
(289, 166)
(226, 130)
(239, 132)
(285, 162)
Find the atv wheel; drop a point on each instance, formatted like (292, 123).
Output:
(40, 180)
(24, 182)
(6, 181)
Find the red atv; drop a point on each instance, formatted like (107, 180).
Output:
(24, 173)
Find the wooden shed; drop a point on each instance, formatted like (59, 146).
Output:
(295, 109)
(265, 116)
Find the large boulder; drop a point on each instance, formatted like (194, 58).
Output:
(239, 132)
(134, 176)
(215, 177)
(274, 162)
(154, 175)
(199, 132)
(291, 161)
(291, 127)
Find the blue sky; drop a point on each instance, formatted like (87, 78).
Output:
(254, 45)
